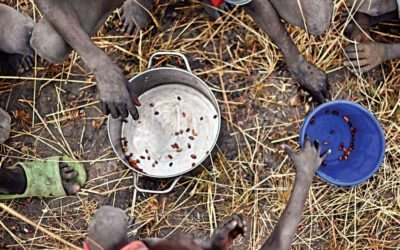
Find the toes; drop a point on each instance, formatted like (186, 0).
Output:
(72, 188)
(69, 175)
(63, 165)
(31, 59)
(24, 65)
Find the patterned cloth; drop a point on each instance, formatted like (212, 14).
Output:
(134, 245)
(236, 2)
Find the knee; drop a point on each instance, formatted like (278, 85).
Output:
(48, 43)
(320, 17)
(317, 28)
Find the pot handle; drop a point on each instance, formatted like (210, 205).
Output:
(142, 190)
(170, 53)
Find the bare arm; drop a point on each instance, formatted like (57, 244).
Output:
(111, 82)
(306, 162)
(393, 51)
(310, 78)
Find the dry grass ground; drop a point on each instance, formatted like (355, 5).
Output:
(55, 112)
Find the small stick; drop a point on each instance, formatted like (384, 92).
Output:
(44, 230)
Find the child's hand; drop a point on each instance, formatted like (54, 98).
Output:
(308, 159)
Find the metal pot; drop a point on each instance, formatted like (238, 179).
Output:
(176, 106)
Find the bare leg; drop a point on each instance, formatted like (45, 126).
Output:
(317, 14)
(50, 45)
(307, 161)
(15, 32)
(310, 78)
(111, 83)
(5, 125)
(366, 56)
(135, 15)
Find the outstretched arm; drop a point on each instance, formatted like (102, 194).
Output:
(306, 163)
(111, 83)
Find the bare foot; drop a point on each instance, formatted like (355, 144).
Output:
(67, 174)
(15, 63)
(135, 15)
(15, 32)
(312, 79)
(5, 125)
(365, 56)
(13, 180)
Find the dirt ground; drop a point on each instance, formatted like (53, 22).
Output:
(55, 112)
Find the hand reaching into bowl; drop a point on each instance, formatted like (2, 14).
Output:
(308, 159)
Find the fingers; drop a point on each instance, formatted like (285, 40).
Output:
(133, 111)
(323, 157)
(241, 224)
(326, 93)
(357, 63)
(235, 226)
(357, 55)
(104, 108)
(289, 151)
(319, 97)
(122, 111)
(307, 142)
(366, 68)
(361, 66)
(354, 48)
(125, 26)
(317, 146)
(113, 110)
(131, 28)
(134, 97)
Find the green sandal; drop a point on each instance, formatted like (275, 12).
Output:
(43, 178)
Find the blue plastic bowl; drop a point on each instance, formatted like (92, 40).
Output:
(327, 124)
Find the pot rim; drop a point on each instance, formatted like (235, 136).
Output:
(189, 168)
